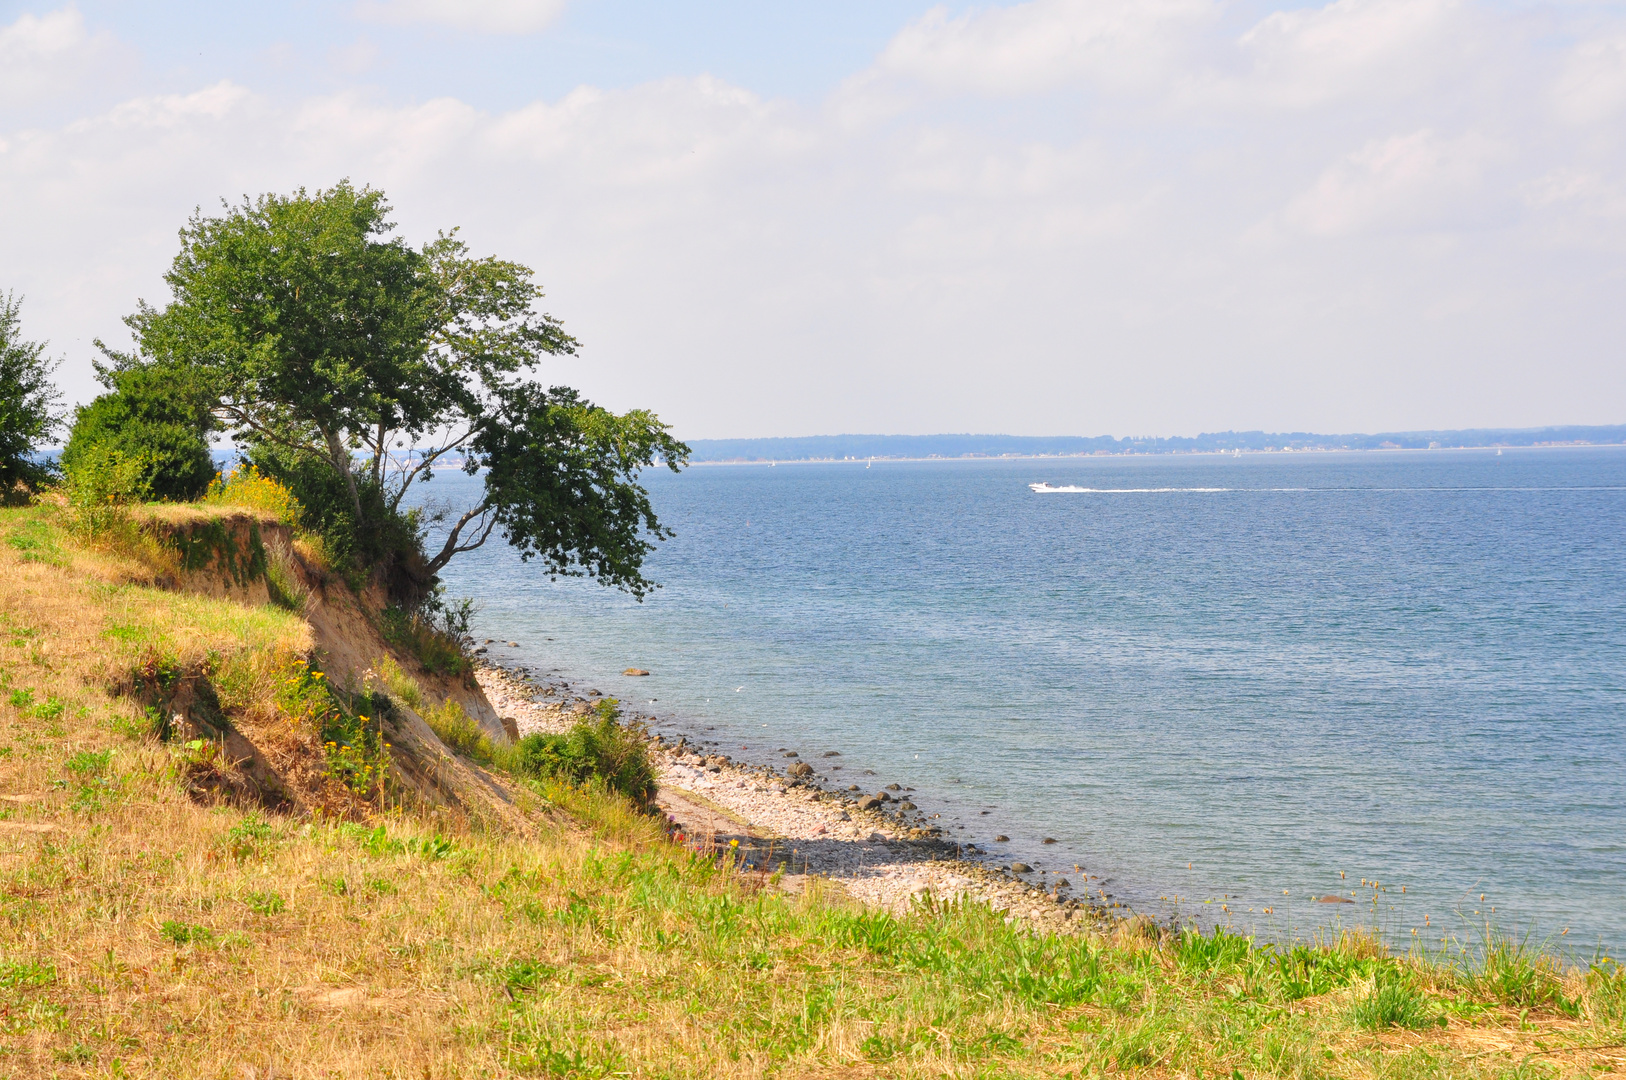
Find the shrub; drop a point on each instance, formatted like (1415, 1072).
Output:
(154, 416)
(597, 750)
(247, 486)
(102, 481)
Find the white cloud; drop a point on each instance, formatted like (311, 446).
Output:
(994, 255)
(482, 16)
(1307, 56)
(1044, 43)
(1416, 182)
(1592, 88)
(45, 55)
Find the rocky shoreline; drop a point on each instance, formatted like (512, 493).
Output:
(793, 821)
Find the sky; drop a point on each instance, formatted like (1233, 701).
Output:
(1081, 217)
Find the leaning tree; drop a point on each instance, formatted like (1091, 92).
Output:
(351, 364)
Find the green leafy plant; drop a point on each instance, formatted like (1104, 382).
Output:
(250, 837)
(265, 903)
(186, 934)
(1395, 1001)
(598, 750)
(316, 335)
(101, 484)
(352, 739)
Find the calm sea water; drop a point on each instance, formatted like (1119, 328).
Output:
(1242, 681)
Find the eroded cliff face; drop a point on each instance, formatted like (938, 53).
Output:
(260, 754)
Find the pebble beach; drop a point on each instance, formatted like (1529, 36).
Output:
(795, 821)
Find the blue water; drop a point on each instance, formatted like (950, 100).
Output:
(1400, 667)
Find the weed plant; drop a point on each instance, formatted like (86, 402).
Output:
(352, 739)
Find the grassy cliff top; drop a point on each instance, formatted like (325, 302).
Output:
(153, 926)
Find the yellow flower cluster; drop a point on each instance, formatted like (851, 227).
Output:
(247, 486)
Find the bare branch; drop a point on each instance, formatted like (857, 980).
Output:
(452, 548)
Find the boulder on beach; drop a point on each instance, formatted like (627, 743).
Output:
(871, 803)
(635, 671)
(510, 727)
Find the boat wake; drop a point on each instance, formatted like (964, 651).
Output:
(1070, 489)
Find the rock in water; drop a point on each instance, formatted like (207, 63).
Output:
(1000, 839)
(1050, 839)
(801, 768)
(893, 787)
(871, 803)
(635, 671)
(1334, 900)
(792, 753)
(1021, 868)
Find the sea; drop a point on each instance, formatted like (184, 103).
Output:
(1227, 688)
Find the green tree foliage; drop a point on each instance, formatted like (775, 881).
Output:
(153, 415)
(350, 364)
(28, 403)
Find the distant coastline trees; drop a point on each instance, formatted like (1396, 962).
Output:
(28, 405)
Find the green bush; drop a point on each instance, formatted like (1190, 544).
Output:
(154, 416)
(598, 750)
(101, 482)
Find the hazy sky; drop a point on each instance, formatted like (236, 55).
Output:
(1056, 217)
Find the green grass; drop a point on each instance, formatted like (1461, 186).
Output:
(152, 933)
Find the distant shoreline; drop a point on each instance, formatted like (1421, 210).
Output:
(1273, 452)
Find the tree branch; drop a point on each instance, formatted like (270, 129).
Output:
(452, 548)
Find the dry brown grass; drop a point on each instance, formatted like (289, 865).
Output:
(144, 932)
